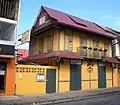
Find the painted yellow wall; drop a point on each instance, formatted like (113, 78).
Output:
(115, 77)
(55, 40)
(61, 40)
(108, 75)
(28, 84)
(64, 76)
(89, 78)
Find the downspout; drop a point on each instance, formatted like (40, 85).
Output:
(113, 55)
(112, 77)
(58, 76)
(58, 63)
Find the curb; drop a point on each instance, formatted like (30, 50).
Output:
(61, 98)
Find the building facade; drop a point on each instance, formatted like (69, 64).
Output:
(9, 13)
(81, 50)
(22, 53)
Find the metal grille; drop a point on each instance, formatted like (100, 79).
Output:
(8, 9)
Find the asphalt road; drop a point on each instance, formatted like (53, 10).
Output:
(113, 99)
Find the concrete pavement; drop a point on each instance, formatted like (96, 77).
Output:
(112, 99)
(56, 97)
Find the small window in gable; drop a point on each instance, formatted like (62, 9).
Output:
(42, 20)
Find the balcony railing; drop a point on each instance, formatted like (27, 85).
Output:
(90, 52)
(8, 9)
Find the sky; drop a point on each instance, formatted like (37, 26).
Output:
(104, 12)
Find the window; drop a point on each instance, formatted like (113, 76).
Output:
(42, 20)
(41, 44)
(95, 48)
(49, 43)
(68, 40)
(83, 44)
(106, 48)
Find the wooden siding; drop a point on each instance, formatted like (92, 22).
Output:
(58, 42)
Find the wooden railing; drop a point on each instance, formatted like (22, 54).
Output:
(91, 52)
(8, 9)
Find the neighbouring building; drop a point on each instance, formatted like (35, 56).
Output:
(116, 52)
(80, 49)
(9, 13)
(22, 53)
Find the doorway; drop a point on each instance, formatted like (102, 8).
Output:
(2, 76)
(51, 81)
(75, 75)
(101, 75)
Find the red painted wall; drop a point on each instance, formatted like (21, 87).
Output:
(22, 53)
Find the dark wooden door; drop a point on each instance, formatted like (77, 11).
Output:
(75, 77)
(51, 81)
(101, 76)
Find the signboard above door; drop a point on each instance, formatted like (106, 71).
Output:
(77, 62)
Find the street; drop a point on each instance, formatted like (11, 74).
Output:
(113, 99)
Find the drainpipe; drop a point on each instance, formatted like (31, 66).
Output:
(112, 77)
(58, 63)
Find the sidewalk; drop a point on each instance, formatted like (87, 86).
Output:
(55, 97)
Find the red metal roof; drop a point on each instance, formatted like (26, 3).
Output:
(66, 19)
(64, 54)
(54, 54)
(112, 60)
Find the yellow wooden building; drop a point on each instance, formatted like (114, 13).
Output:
(78, 52)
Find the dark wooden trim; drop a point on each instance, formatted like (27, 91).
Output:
(89, 80)
(109, 79)
(64, 81)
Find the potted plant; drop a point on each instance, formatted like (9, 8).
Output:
(95, 48)
(100, 49)
(85, 47)
(105, 50)
(90, 48)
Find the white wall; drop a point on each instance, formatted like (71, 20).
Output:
(116, 48)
